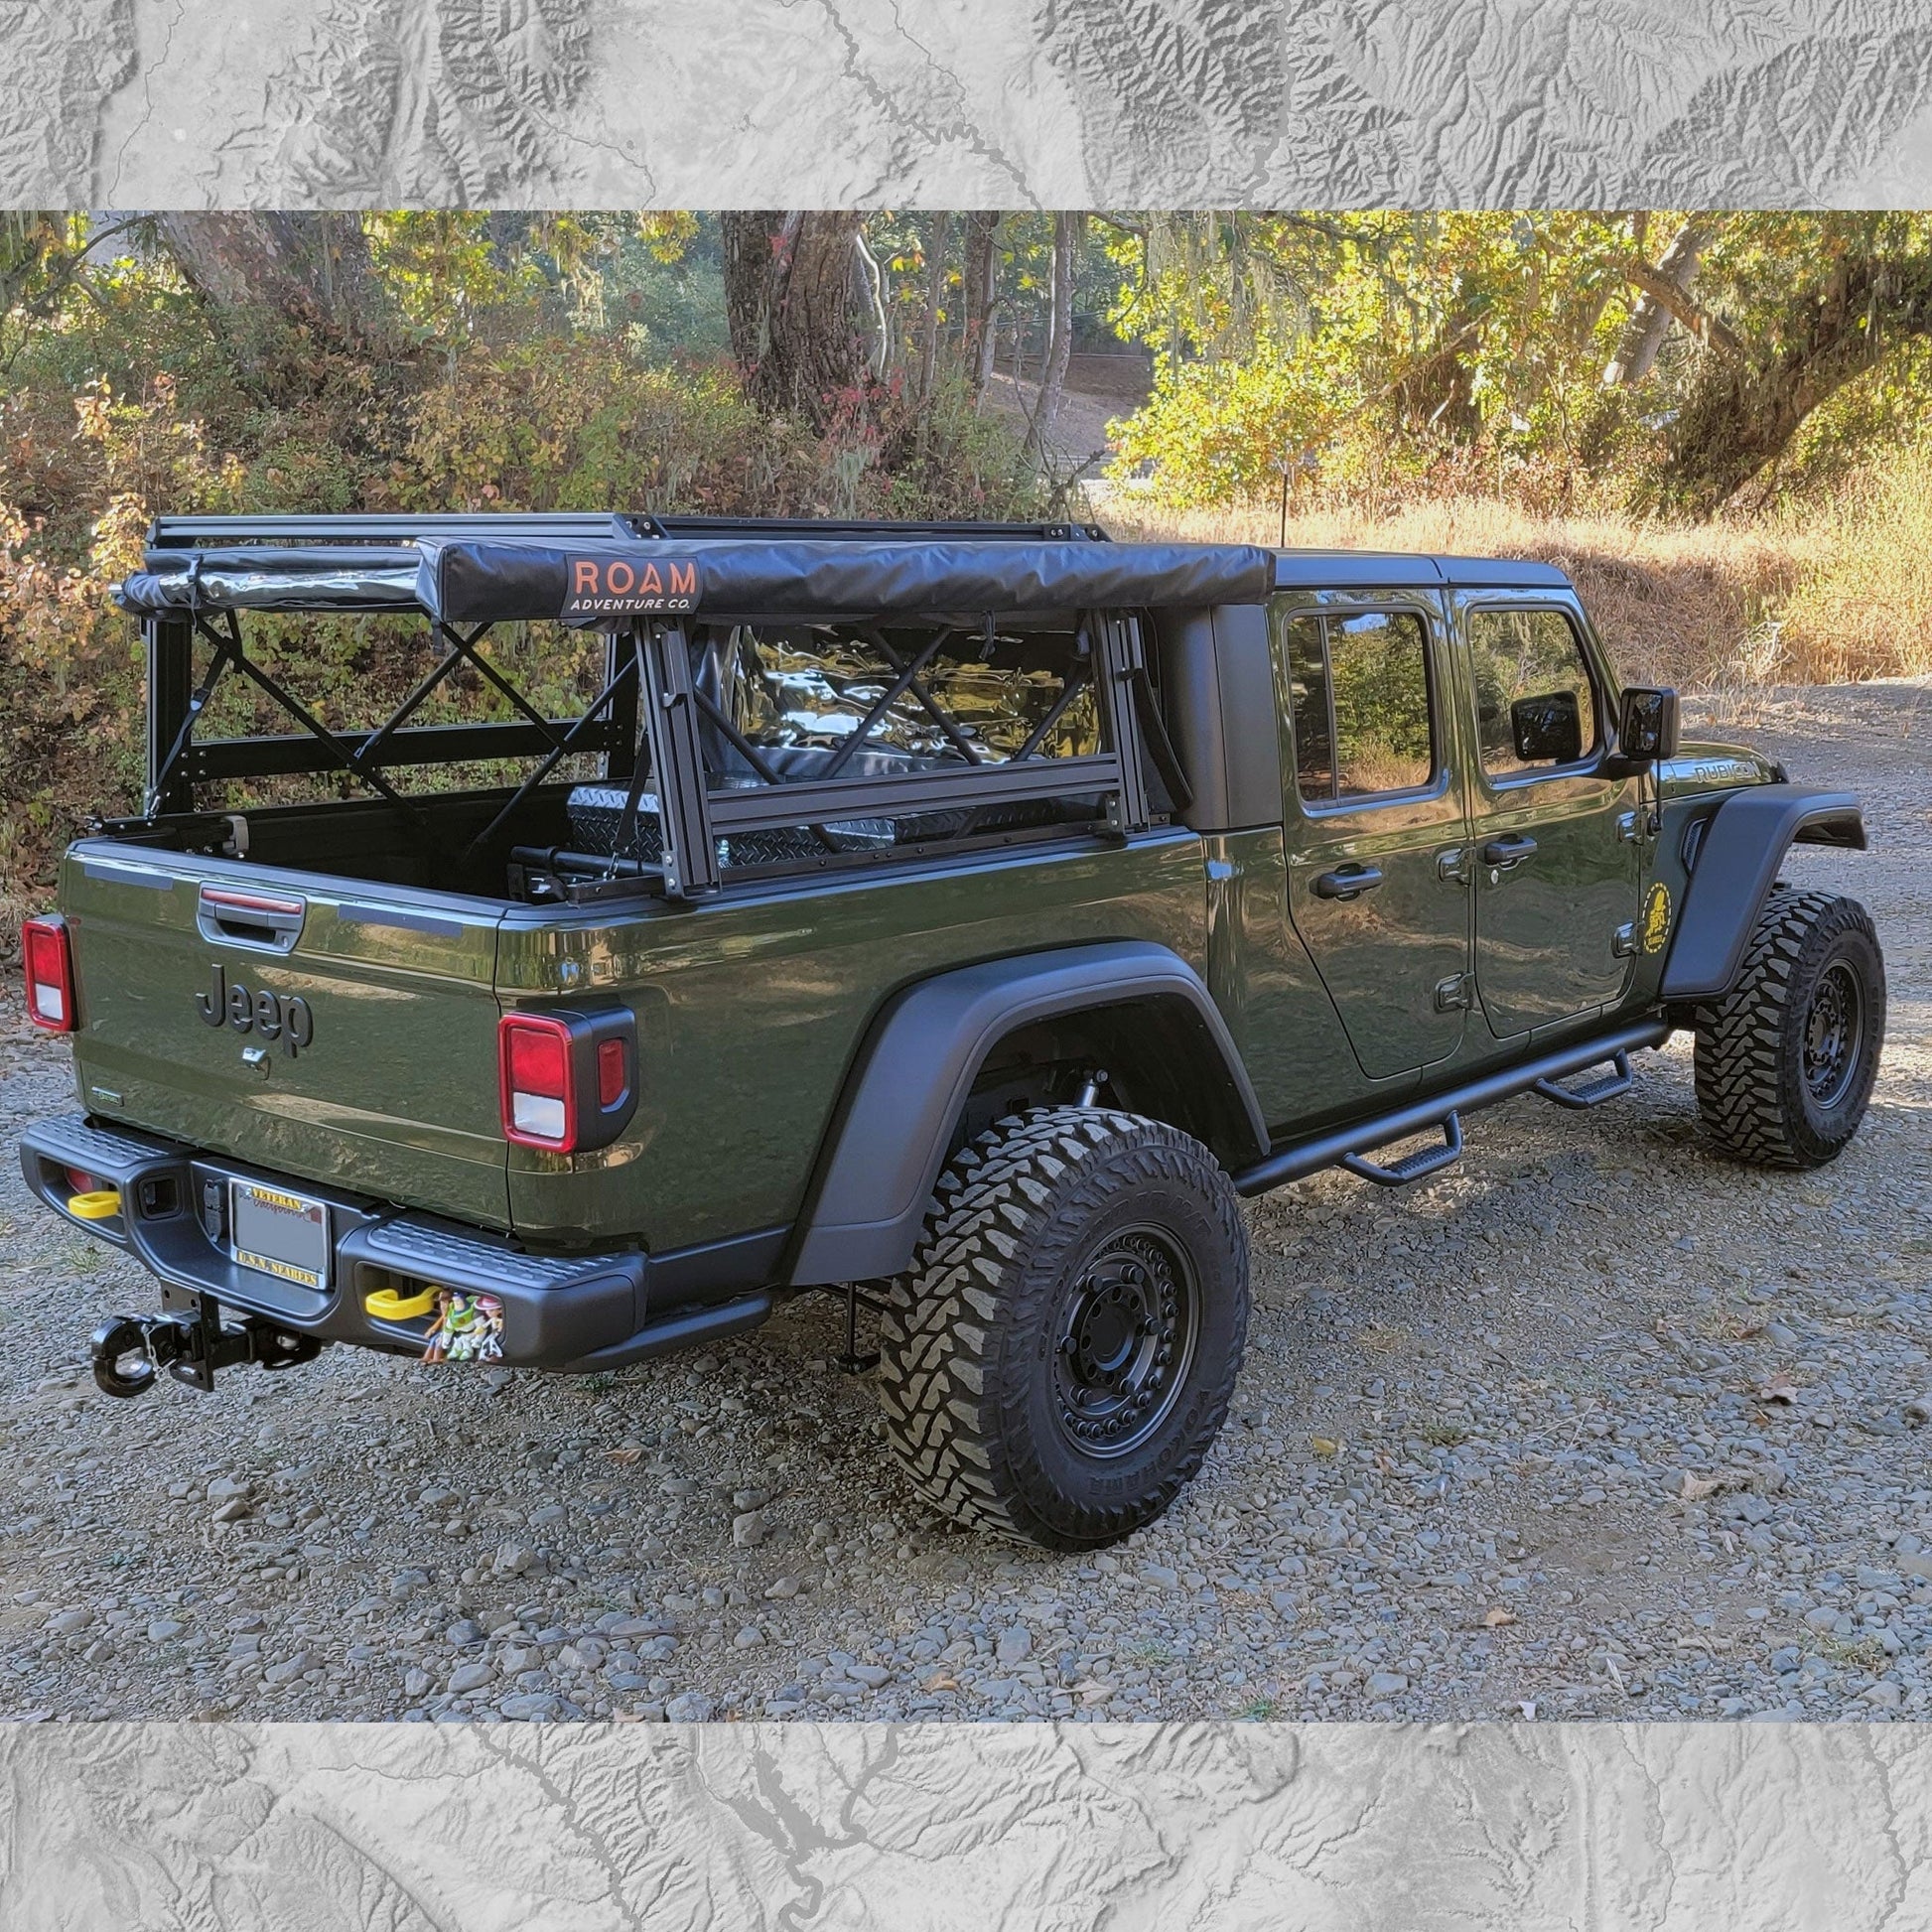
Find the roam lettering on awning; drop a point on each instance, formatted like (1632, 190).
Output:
(624, 586)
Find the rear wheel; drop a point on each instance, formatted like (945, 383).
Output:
(1060, 1354)
(1786, 1060)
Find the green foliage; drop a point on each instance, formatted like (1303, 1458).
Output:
(949, 459)
(1809, 306)
(1765, 272)
(581, 423)
(1888, 407)
(1343, 349)
(40, 252)
(1355, 355)
(902, 243)
(441, 267)
(654, 279)
(662, 289)
(1381, 701)
(70, 711)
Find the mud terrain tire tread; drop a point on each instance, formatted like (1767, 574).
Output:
(1750, 1087)
(1008, 1216)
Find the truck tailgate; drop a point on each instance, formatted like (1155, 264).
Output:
(320, 1026)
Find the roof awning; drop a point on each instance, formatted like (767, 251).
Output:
(259, 578)
(604, 583)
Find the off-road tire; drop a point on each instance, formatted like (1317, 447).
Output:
(1752, 1085)
(971, 1346)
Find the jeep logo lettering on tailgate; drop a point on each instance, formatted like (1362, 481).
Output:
(621, 587)
(275, 1016)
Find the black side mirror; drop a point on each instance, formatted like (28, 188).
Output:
(1547, 727)
(1646, 726)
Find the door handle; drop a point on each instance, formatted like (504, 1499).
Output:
(1348, 881)
(1510, 849)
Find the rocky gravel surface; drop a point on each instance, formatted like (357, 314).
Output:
(1596, 1425)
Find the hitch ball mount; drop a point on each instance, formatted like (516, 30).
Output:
(189, 1340)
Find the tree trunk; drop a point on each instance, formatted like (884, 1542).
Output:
(982, 304)
(788, 303)
(1059, 335)
(1650, 320)
(314, 270)
(871, 292)
(1745, 407)
(936, 289)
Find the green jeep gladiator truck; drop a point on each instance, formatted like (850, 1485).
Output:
(957, 918)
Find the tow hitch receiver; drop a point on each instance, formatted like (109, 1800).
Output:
(189, 1342)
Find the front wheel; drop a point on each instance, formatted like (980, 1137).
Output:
(1060, 1354)
(1786, 1060)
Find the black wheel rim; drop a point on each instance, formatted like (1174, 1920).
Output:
(1834, 1034)
(1124, 1344)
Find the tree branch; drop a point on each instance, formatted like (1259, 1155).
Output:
(1669, 297)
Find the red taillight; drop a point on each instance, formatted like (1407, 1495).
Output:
(612, 1077)
(568, 1079)
(539, 1099)
(49, 974)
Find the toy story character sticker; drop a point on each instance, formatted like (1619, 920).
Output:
(468, 1328)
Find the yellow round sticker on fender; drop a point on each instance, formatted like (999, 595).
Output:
(1656, 918)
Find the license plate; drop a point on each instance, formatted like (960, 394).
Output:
(281, 1234)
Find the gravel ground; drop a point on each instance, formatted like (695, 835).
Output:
(1595, 1426)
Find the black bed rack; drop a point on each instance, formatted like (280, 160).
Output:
(584, 526)
(648, 704)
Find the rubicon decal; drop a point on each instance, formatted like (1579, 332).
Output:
(273, 1015)
(625, 586)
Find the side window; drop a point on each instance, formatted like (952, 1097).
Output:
(1308, 677)
(799, 694)
(1360, 693)
(1534, 707)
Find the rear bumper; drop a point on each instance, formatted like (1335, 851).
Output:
(580, 1312)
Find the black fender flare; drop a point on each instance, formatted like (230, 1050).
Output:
(1736, 862)
(916, 1070)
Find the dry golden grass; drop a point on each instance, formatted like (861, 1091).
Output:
(1830, 592)
(1863, 605)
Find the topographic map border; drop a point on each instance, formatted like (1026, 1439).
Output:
(1321, 1828)
(709, 103)
(354, 103)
